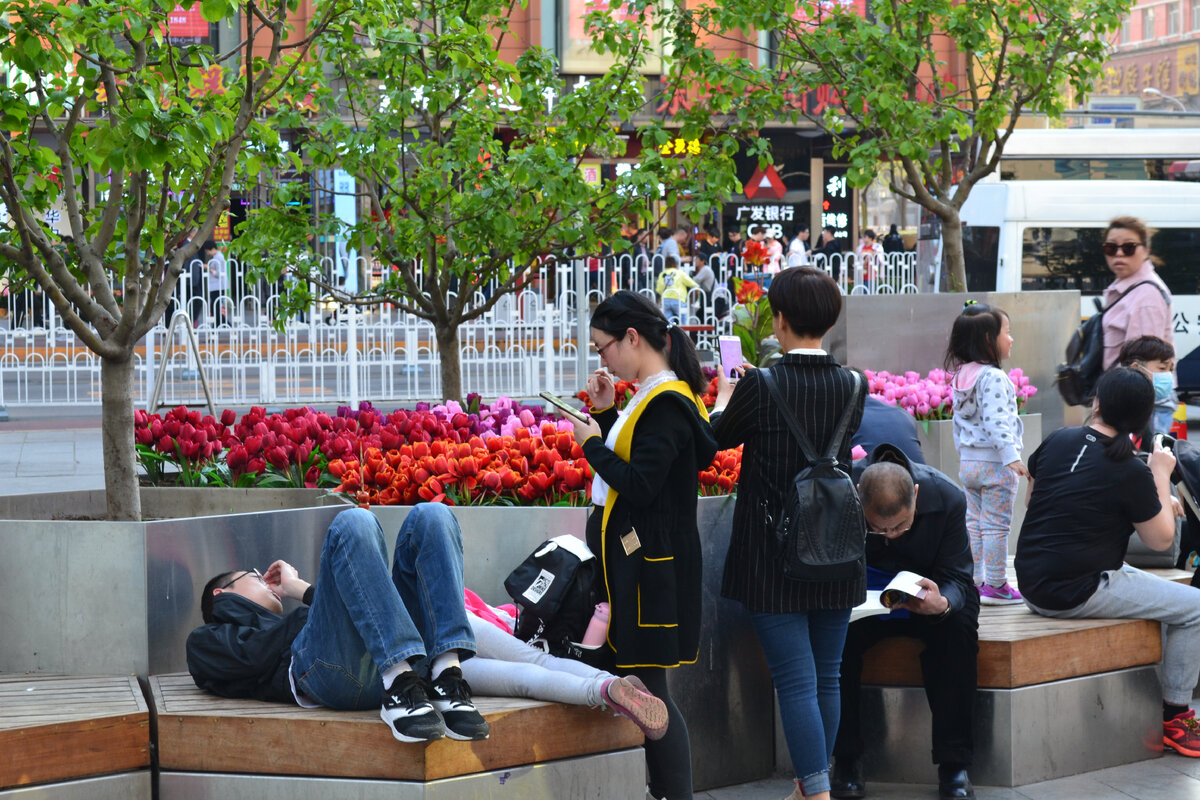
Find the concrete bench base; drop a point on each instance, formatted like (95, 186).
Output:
(1022, 736)
(123, 786)
(619, 775)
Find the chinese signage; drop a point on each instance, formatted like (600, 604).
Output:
(680, 147)
(770, 218)
(1172, 71)
(578, 53)
(186, 22)
(837, 204)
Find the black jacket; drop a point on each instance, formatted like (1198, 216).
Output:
(819, 389)
(881, 423)
(936, 547)
(655, 592)
(246, 652)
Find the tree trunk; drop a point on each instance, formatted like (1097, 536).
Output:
(451, 362)
(952, 250)
(120, 464)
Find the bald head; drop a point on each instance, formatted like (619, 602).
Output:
(886, 490)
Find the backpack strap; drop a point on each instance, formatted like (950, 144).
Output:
(839, 436)
(789, 416)
(1121, 296)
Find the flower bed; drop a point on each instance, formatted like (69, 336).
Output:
(932, 396)
(502, 453)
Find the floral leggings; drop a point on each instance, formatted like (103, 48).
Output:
(991, 493)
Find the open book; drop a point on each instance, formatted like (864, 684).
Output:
(903, 587)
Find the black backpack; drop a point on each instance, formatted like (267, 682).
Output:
(554, 589)
(1076, 379)
(821, 533)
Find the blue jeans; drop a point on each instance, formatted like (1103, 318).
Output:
(804, 654)
(672, 309)
(363, 621)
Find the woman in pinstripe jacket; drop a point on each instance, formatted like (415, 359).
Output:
(801, 625)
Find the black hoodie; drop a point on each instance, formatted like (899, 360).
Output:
(246, 651)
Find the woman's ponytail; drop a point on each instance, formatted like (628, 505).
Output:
(683, 360)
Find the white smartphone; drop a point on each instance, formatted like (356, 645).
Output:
(731, 356)
(563, 406)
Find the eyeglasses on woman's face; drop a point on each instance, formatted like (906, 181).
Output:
(600, 348)
(1125, 248)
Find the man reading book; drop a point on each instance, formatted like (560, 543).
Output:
(917, 519)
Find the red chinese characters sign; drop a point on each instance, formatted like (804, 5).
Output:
(186, 22)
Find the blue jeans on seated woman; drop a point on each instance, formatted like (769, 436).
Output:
(364, 621)
(804, 654)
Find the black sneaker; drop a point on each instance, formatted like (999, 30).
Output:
(408, 712)
(451, 697)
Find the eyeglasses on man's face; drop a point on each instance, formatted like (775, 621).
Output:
(243, 574)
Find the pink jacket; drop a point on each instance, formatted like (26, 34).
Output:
(1143, 312)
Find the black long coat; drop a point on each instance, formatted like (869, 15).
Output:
(654, 593)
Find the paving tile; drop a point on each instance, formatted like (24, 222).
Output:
(1077, 787)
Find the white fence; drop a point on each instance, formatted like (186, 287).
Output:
(529, 342)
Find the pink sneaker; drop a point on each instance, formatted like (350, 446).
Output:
(1004, 595)
(646, 710)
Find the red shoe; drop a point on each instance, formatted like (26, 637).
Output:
(1182, 734)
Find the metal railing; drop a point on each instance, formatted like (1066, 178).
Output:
(531, 341)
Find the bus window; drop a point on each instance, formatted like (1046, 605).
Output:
(1058, 169)
(1071, 258)
(981, 248)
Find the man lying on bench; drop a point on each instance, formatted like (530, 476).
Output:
(360, 633)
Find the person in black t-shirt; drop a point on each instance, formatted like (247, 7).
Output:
(1086, 490)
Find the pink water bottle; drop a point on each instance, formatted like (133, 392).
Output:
(597, 629)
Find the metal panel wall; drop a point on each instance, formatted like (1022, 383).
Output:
(620, 775)
(910, 332)
(183, 554)
(1022, 736)
(72, 598)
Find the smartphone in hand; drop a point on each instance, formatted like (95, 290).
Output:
(563, 406)
(731, 356)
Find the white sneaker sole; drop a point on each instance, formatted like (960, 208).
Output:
(403, 737)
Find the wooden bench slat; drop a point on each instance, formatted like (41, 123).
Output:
(45, 737)
(204, 733)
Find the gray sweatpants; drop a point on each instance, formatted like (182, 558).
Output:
(1129, 593)
(504, 666)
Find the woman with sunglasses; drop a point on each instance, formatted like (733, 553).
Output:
(1145, 302)
(646, 460)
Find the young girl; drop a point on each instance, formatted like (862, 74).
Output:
(987, 435)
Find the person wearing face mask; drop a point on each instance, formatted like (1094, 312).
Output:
(1157, 358)
(1146, 311)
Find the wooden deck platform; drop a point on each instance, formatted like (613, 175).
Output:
(63, 728)
(202, 733)
(1020, 648)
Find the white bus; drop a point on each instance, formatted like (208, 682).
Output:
(1026, 235)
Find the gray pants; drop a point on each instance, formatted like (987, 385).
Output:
(1129, 593)
(504, 666)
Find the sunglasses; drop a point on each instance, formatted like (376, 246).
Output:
(1126, 248)
(241, 575)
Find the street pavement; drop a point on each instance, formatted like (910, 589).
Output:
(59, 449)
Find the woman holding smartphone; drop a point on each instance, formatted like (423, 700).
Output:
(643, 527)
(801, 624)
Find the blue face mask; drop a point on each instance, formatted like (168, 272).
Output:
(1164, 382)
